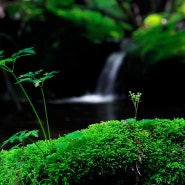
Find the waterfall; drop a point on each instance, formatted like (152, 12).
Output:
(104, 90)
(107, 79)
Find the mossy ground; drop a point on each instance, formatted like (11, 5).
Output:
(114, 152)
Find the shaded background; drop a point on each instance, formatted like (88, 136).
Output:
(77, 38)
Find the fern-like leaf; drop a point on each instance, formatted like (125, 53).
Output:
(20, 136)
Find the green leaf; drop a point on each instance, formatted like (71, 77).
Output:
(24, 80)
(21, 136)
(74, 135)
(30, 74)
(1, 53)
(12, 59)
(4, 61)
(38, 72)
(24, 52)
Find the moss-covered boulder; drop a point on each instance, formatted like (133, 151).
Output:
(115, 152)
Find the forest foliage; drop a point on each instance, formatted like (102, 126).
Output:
(160, 23)
(58, 28)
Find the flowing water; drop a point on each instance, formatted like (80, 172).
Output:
(74, 113)
(69, 114)
(107, 78)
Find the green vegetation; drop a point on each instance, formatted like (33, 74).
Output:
(135, 98)
(148, 151)
(8, 65)
(131, 151)
(145, 152)
(108, 16)
(155, 27)
(39, 82)
(166, 41)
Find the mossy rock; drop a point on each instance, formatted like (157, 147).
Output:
(128, 152)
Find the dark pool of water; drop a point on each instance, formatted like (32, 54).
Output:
(67, 117)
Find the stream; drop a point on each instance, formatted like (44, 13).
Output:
(67, 115)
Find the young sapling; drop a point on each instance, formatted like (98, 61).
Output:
(8, 65)
(135, 98)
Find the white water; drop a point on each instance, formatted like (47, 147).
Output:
(104, 91)
(109, 73)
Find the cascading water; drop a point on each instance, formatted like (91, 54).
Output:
(104, 103)
(104, 91)
(107, 79)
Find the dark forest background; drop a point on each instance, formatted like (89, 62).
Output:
(76, 37)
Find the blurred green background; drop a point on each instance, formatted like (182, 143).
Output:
(76, 37)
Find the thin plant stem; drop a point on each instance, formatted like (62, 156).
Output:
(36, 145)
(32, 106)
(135, 100)
(136, 108)
(46, 114)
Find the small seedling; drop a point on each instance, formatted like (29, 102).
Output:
(38, 81)
(135, 100)
(8, 65)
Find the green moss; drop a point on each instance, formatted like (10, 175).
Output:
(113, 152)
